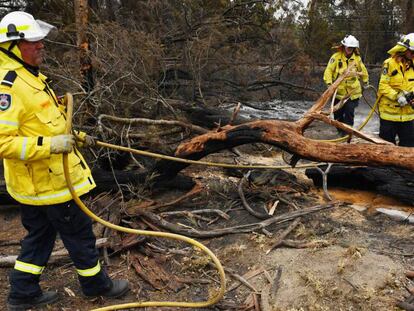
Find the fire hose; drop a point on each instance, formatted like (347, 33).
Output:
(88, 212)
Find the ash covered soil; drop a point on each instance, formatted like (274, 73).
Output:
(348, 257)
(353, 258)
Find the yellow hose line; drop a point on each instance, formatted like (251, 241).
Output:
(176, 159)
(369, 116)
(217, 263)
(88, 212)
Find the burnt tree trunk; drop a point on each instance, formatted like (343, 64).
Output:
(394, 182)
(205, 116)
(287, 136)
(81, 18)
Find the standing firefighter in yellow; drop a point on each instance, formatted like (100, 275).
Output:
(347, 53)
(395, 88)
(32, 140)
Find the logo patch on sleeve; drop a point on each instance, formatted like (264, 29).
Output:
(5, 102)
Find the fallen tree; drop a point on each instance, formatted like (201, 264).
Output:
(289, 136)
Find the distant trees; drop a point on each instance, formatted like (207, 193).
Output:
(377, 24)
(209, 51)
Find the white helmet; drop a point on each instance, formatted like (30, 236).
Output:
(21, 25)
(350, 41)
(407, 41)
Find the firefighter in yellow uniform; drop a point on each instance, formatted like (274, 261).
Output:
(347, 53)
(395, 88)
(32, 140)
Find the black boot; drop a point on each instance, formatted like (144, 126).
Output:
(118, 289)
(15, 304)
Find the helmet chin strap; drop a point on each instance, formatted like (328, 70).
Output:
(32, 69)
(12, 45)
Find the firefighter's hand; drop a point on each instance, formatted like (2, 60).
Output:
(62, 143)
(402, 100)
(89, 141)
(83, 140)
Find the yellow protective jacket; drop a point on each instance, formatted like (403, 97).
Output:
(395, 78)
(337, 65)
(30, 115)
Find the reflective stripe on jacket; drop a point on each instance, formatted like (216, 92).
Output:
(337, 65)
(29, 116)
(395, 78)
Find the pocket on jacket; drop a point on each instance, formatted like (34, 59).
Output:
(40, 176)
(20, 180)
(57, 175)
(53, 119)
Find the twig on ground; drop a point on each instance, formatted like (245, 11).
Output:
(244, 201)
(250, 274)
(191, 127)
(273, 208)
(276, 284)
(235, 113)
(203, 211)
(325, 180)
(240, 279)
(191, 232)
(256, 302)
(264, 299)
(284, 234)
(405, 305)
(380, 251)
(132, 210)
(302, 244)
(10, 242)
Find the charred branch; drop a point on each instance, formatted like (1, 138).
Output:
(191, 232)
(286, 136)
(392, 181)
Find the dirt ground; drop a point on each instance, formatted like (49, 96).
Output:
(356, 260)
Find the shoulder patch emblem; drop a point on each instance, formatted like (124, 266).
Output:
(332, 60)
(5, 102)
(385, 71)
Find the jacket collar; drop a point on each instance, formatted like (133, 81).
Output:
(38, 82)
(352, 57)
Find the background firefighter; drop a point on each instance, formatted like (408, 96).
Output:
(395, 87)
(347, 53)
